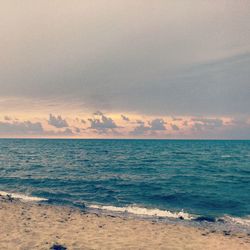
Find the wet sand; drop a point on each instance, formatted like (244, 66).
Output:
(26, 225)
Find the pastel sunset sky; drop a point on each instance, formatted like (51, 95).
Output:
(125, 69)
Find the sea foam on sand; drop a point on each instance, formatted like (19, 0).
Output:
(22, 196)
(242, 221)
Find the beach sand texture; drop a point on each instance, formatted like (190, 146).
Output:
(34, 226)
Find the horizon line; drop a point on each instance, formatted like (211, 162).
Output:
(160, 139)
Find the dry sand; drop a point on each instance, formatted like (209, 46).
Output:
(34, 226)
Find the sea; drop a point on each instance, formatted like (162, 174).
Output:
(196, 182)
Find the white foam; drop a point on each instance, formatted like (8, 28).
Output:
(242, 221)
(144, 211)
(22, 196)
(226, 156)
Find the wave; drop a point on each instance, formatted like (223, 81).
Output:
(145, 211)
(237, 220)
(141, 211)
(22, 196)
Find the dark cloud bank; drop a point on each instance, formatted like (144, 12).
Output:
(149, 61)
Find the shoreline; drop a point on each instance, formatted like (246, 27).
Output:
(226, 224)
(30, 225)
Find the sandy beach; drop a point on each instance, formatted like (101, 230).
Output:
(26, 225)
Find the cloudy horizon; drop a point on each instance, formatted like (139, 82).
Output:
(125, 69)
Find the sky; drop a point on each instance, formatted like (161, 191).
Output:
(177, 69)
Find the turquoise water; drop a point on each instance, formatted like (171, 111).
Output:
(202, 178)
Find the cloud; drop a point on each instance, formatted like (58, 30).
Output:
(7, 118)
(21, 128)
(57, 122)
(77, 130)
(175, 127)
(140, 129)
(241, 121)
(29, 128)
(157, 125)
(176, 119)
(82, 121)
(238, 129)
(153, 126)
(165, 65)
(140, 122)
(125, 118)
(206, 123)
(103, 123)
(98, 113)
(67, 132)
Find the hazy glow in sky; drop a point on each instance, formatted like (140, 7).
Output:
(164, 69)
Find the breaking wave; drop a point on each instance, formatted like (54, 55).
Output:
(237, 220)
(22, 196)
(145, 211)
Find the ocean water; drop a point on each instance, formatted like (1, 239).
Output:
(186, 179)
